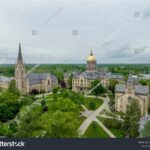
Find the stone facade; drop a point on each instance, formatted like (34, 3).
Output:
(126, 92)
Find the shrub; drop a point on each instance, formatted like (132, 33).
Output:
(112, 123)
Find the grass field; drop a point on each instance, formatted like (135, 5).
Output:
(92, 103)
(116, 131)
(95, 131)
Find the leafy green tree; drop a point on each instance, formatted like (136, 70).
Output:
(63, 84)
(34, 92)
(99, 89)
(62, 125)
(13, 88)
(3, 129)
(146, 131)
(112, 84)
(13, 127)
(9, 106)
(43, 104)
(69, 83)
(55, 90)
(144, 82)
(60, 120)
(131, 121)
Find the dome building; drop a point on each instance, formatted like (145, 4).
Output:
(91, 62)
(81, 82)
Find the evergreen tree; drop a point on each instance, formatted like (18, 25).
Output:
(146, 132)
(43, 104)
(69, 83)
(13, 88)
(97, 90)
(131, 121)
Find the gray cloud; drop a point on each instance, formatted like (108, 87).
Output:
(125, 50)
(146, 12)
(101, 25)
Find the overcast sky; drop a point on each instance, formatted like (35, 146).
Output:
(63, 31)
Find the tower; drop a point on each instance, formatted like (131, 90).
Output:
(20, 71)
(91, 62)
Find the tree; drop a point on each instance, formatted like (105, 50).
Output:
(55, 90)
(13, 127)
(61, 124)
(9, 106)
(112, 84)
(34, 91)
(144, 82)
(145, 133)
(63, 84)
(43, 104)
(132, 117)
(69, 83)
(3, 129)
(99, 89)
(13, 88)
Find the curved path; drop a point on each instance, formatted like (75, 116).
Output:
(92, 117)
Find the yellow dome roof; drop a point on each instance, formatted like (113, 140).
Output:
(91, 57)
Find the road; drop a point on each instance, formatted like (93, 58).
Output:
(83, 127)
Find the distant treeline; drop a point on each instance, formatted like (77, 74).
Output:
(60, 69)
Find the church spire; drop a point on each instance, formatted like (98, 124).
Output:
(19, 59)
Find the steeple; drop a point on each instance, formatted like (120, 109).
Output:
(19, 59)
(20, 71)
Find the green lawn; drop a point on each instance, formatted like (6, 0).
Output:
(95, 131)
(119, 113)
(116, 131)
(92, 103)
(49, 96)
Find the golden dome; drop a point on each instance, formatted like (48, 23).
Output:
(91, 57)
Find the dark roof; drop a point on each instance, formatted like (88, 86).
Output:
(91, 75)
(138, 89)
(120, 88)
(35, 78)
(141, 90)
(5, 79)
(115, 76)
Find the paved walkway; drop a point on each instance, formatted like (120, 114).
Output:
(84, 107)
(86, 113)
(45, 94)
(109, 117)
(83, 127)
(105, 129)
